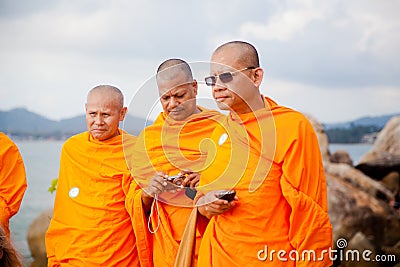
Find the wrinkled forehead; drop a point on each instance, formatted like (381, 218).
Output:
(218, 68)
(223, 63)
(172, 84)
(103, 100)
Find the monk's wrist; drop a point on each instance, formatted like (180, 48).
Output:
(201, 208)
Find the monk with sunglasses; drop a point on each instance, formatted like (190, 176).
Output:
(269, 156)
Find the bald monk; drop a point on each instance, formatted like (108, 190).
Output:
(90, 226)
(171, 146)
(269, 155)
(12, 181)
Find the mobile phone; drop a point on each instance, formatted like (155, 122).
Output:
(226, 195)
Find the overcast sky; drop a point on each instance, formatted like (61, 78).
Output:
(337, 60)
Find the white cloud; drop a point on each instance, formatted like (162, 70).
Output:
(53, 52)
(285, 24)
(334, 104)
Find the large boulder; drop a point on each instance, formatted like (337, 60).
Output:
(359, 180)
(341, 156)
(364, 221)
(36, 238)
(322, 137)
(384, 157)
(359, 207)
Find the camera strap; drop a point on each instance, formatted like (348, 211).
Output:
(154, 205)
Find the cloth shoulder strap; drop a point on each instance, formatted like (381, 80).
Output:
(186, 252)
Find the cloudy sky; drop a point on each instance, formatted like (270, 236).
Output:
(337, 60)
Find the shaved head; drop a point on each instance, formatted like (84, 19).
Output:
(246, 53)
(241, 92)
(104, 111)
(177, 89)
(170, 68)
(109, 91)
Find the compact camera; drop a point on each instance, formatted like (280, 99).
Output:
(175, 179)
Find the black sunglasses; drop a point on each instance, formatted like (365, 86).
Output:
(224, 77)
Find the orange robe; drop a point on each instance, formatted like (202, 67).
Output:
(167, 146)
(282, 194)
(12, 181)
(90, 226)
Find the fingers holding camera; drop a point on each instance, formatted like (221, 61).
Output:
(156, 186)
(192, 179)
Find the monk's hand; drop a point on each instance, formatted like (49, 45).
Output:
(210, 205)
(156, 186)
(191, 180)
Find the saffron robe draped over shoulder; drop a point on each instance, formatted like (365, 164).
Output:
(90, 226)
(281, 207)
(167, 146)
(12, 181)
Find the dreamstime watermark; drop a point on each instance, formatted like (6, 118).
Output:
(333, 254)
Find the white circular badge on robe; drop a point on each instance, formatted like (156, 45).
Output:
(73, 192)
(222, 139)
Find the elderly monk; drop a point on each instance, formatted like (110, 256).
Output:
(12, 181)
(269, 155)
(90, 225)
(171, 146)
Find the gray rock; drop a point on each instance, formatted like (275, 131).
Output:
(384, 156)
(322, 137)
(36, 238)
(359, 180)
(392, 182)
(341, 156)
(353, 252)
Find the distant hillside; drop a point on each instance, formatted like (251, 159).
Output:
(378, 121)
(22, 123)
(363, 130)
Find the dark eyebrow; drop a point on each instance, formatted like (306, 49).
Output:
(178, 92)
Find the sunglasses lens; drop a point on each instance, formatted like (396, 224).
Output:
(210, 81)
(226, 77)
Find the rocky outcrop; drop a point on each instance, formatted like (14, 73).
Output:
(322, 137)
(361, 208)
(36, 238)
(359, 180)
(384, 156)
(341, 156)
(350, 207)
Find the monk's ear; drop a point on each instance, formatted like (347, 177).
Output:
(257, 76)
(122, 113)
(195, 86)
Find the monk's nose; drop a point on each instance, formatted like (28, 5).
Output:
(218, 87)
(99, 120)
(173, 103)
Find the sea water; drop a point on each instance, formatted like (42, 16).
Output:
(41, 160)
